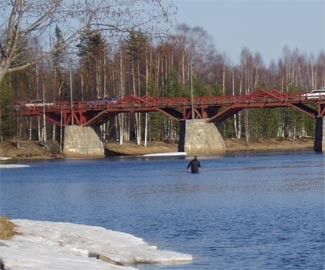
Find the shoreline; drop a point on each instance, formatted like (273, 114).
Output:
(33, 150)
(231, 145)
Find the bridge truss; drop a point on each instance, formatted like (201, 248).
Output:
(212, 108)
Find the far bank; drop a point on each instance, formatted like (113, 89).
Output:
(31, 150)
(231, 145)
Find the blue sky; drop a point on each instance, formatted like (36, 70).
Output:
(263, 26)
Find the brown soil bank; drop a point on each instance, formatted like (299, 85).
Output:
(50, 150)
(30, 150)
(130, 148)
(232, 145)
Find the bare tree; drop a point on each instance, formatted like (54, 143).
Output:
(22, 19)
(200, 46)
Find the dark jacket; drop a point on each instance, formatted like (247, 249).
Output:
(195, 165)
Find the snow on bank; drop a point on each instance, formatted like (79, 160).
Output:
(65, 246)
(13, 166)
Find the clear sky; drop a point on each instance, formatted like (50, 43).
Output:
(263, 26)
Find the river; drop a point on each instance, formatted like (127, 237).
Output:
(242, 211)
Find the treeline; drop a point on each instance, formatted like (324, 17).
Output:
(140, 65)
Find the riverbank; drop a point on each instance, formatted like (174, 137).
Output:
(33, 150)
(232, 145)
(30, 150)
(235, 145)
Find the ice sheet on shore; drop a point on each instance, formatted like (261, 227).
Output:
(67, 246)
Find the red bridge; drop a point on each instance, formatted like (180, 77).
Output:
(212, 108)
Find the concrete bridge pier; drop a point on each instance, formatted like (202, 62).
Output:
(82, 142)
(198, 137)
(319, 143)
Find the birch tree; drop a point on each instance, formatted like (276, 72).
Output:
(247, 71)
(22, 19)
(321, 69)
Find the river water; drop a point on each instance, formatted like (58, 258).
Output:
(242, 211)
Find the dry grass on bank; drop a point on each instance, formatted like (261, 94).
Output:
(30, 150)
(232, 145)
(34, 150)
(130, 148)
(7, 228)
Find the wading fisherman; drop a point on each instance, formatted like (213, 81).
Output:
(195, 165)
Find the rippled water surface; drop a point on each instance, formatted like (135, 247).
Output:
(243, 211)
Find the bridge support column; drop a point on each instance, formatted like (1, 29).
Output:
(82, 142)
(198, 137)
(319, 143)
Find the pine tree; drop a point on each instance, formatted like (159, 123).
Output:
(58, 64)
(7, 110)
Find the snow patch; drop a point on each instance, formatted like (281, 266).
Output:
(66, 246)
(13, 166)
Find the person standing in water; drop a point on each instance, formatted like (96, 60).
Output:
(195, 165)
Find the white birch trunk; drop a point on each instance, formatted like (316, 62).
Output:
(146, 114)
(53, 132)
(44, 135)
(121, 117)
(233, 93)
(239, 134)
(98, 84)
(224, 80)
(105, 77)
(30, 129)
